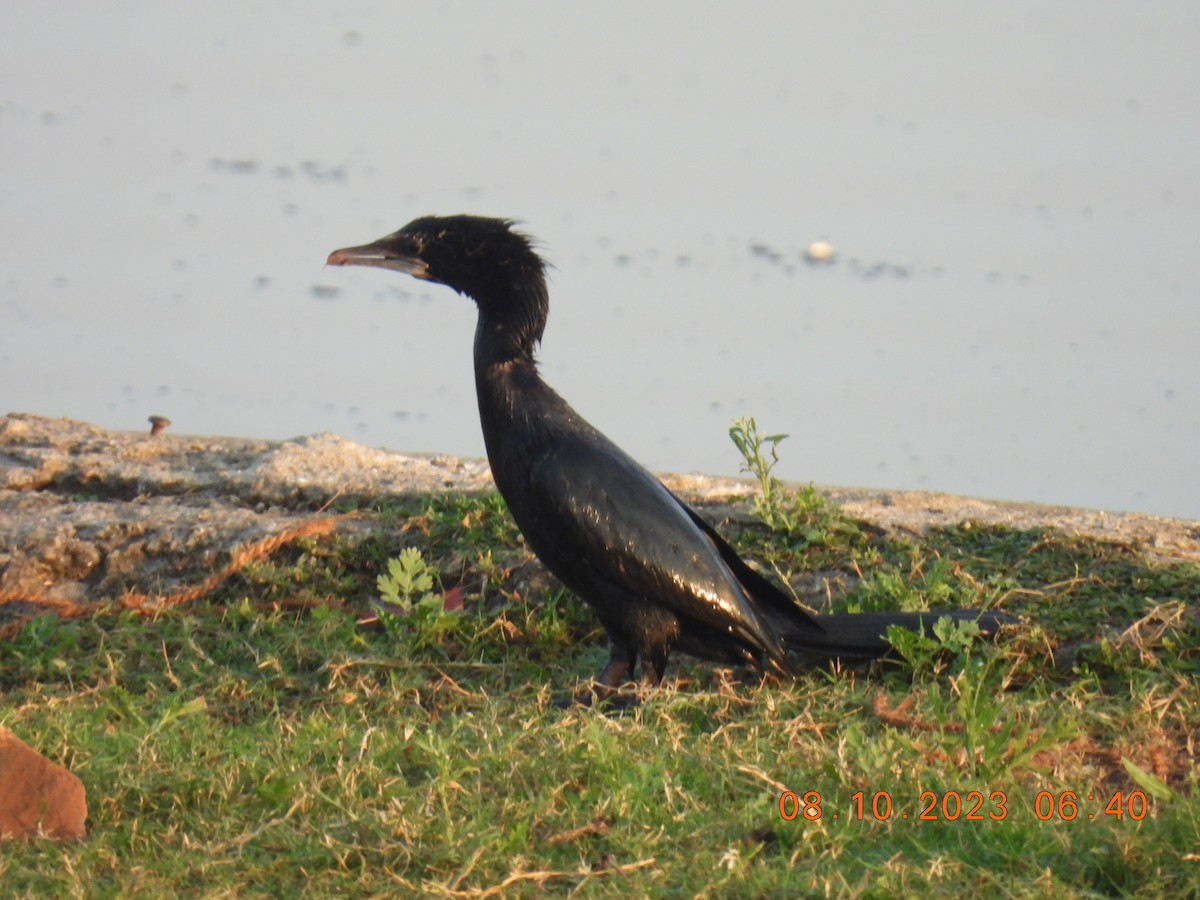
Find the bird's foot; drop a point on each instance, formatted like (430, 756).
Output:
(603, 696)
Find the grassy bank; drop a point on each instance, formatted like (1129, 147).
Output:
(275, 738)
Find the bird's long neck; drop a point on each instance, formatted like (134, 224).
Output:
(507, 383)
(511, 322)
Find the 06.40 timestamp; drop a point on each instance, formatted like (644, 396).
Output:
(971, 806)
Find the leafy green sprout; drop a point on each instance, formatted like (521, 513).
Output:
(750, 444)
(802, 513)
(410, 602)
(925, 652)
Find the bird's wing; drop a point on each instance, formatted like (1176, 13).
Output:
(598, 518)
(754, 583)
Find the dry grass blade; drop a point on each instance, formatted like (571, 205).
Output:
(541, 877)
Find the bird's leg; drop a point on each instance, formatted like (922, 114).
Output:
(621, 660)
(619, 669)
(654, 666)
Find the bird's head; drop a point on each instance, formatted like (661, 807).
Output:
(480, 257)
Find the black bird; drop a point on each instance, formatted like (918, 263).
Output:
(658, 576)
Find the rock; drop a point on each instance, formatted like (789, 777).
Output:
(37, 797)
(91, 514)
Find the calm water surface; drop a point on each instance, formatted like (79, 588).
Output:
(1014, 310)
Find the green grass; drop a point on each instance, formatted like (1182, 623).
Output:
(264, 741)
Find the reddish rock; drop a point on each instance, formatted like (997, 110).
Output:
(37, 796)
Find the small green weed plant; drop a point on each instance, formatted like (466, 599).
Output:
(409, 601)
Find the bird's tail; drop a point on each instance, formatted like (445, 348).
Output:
(858, 636)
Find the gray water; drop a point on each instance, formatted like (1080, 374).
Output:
(1013, 192)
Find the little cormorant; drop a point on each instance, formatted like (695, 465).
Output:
(658, 576)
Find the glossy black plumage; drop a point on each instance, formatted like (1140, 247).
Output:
(657, 575)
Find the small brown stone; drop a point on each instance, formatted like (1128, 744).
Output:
(37, 797)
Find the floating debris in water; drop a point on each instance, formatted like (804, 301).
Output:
(820, 252)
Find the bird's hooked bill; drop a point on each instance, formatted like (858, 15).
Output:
(383, 254)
